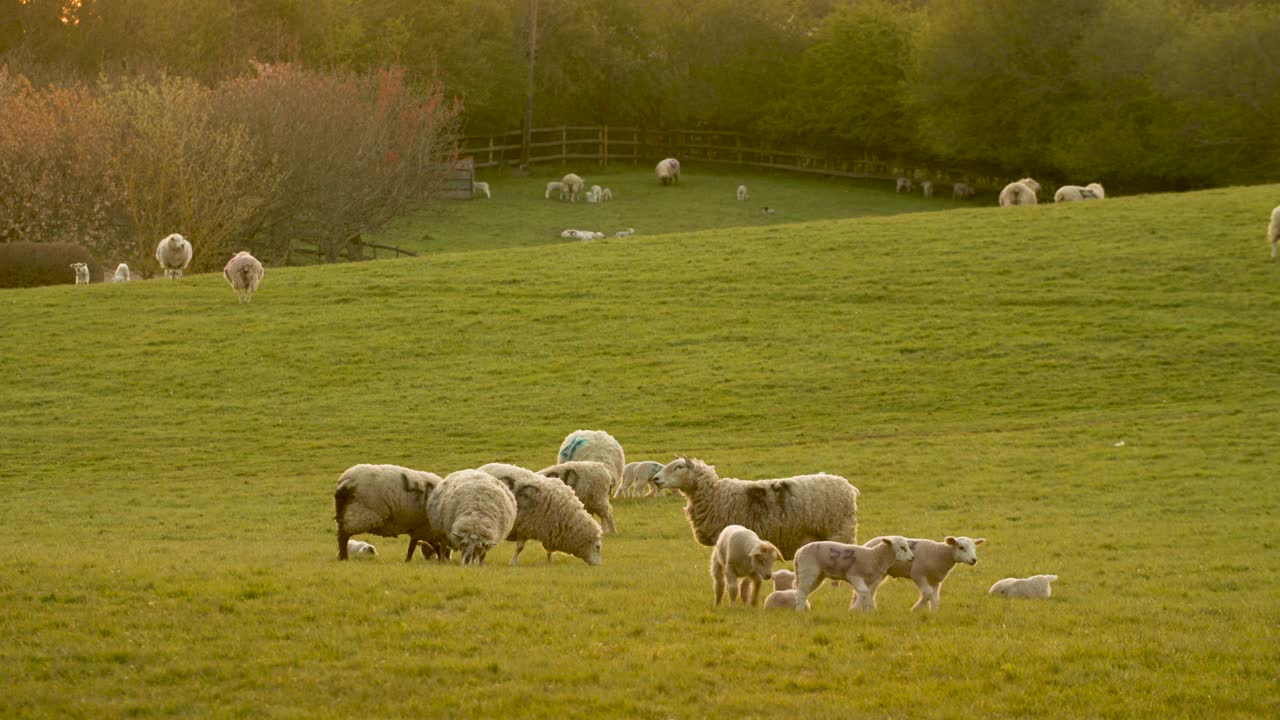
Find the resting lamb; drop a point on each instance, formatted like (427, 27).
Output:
(1035, 587)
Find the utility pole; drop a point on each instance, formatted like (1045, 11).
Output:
(528, 98)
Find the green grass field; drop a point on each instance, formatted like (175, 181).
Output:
(1094, 388)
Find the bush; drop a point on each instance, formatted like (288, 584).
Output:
(29, 264)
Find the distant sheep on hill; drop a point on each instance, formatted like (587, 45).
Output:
(668, 171)
(82, 273)
(174, 255)
(905, 184)
(1020, 192)
(572, 186)
(743, 195)
(243, 272)
(1273, 230)
(122, 274)
(960, 191)
(926, 187)
(1071, 193)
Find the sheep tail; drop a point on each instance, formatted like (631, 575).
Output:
(341, 498)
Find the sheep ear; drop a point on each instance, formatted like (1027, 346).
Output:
(885, 541)
(979, 541)
(950, 540)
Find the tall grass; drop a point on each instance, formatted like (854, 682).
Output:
(1094, 388)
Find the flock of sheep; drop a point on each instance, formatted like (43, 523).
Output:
(174, 253)
(750, 524)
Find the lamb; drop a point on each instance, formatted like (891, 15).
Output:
(1034, 587)
(606, 195)
(636, 476)
(82, 273)
(122, 274)
(926, 187)
(1273, 230)
(556, 187)
(361, 549)
(592, 482)
(668, 171)
(471, 511)
(931, 565)
(625, 233)
(548, 511)
(480, 187)
(244, 272)
(742, 561)
(862, 567)
(743, 195)
(174, 255)
(788, 512)
(595, 445)
(904, 183)
(386, 500)
(1071, 193)
(783, 596)
(960, 191)
(1021, 192)
(572, 186)
(595, 194)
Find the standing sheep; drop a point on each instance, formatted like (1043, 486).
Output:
(244, 272)
(1035, 587)
(788, 512)
(572, 185)
(82, 273)
(556, 187)
(926, 187)
(592, 482)
(1273, 230)
(931, 564)
(904, 184)
(783, 596)
(122, 274)
(471, 511)
(595, 194)
(478, 187)
(668, 171)
(960, 191)
(636, 477)
(1021, 192)
(386, 500)
(596, 445)
(174, 255)
(862, 567)
(742, 561)
(743, 195)
(1071, 193)
(548, 511)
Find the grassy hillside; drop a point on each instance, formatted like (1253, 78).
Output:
(1094, 388)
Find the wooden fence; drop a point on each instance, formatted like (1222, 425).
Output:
(604, 145)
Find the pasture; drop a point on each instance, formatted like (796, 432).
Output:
(1094, 388)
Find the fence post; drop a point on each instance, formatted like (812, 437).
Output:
(604, 150)
(491, 150)
(564, 144)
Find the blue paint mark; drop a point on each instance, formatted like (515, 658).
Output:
(568, 451)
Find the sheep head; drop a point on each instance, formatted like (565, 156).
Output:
(683, 474)
(964, 550)
(763, 558)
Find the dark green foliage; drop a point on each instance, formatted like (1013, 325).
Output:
(29, 264)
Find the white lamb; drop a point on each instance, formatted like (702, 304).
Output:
(783, 596)
(593, 195)
(572, 186)
(625, 233)
(82, 273)
(471, 511)
(174, 255)
(742, 561)
(743, 196)
(586, 235)
(596, 445)
(592, 482)
(1273, 230)
(927, 188)
(555, 186)
(1020, 192)
(904, 183)
(480, 187)
(862, 567)
(386, 500)
(931, 565)
(122, 274)
(636, 477)
(787, 512)
(606, 195)
(1035, 587)
(1071, 193)
(361, 550)
(550, 512)
(668, 171)
(243, 272)
(960, 191)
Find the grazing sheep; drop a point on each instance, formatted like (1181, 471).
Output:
(122, 274)
(1071, 193)
(606, 195)
(783, 596)
(625, 233)
(361, 549)
(1035, 587)
(548, 511)
(593, 195)
(471, 511)
(931, 565)
(788, 512)
(386, 500)
(1021, 192)
(743, 195)
(862, 567)
(554, 186)
(668, 171)
(174, 255)
(1273, 230)
(595, 445)
(768, 210)
(82, 273)
(572, 186)
(960, 191)
(592, 482)
(243, 272)
(926, 187)
(742, 561)
(904, 183)
(636, 477)
(480, 187)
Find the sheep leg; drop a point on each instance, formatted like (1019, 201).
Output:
(732, 581)
(863, 599)
(607, 519)
(342, 544)
(805, 585)
(753, 585)
(413, 545)
(928, 597)
(519, 547)
(717, 579)
(744, 591)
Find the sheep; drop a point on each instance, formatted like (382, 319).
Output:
(595, 194)
(471, 511)
(787, 512)
(122, 274)
(592, 482)
(783, 596)
(595, 445)
(480, 187)
(361, 549)
(768, 210)
(572, 186)
(554, 186)
(1034, 587)
(742, 561)
(82, 273)
(386, 500)
(931, 565)
(606, 195)
(862, 567)
(743, 195)
(926, 187)
(960, 191)
(1021, 192)
(668, 171)
(548, 511)
(1273, 230)
(904, 183)
(243, 272)
(1070, 193)
(625, 233)
(174, 255)
(636, 476)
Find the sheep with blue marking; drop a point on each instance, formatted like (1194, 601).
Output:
(595, 445)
